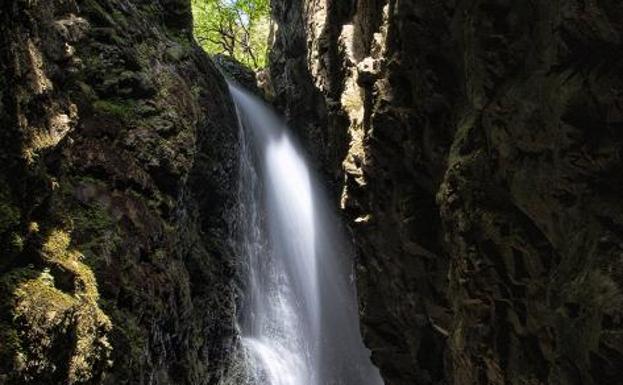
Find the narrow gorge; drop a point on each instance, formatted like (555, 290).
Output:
(299, 320)
(429, 194)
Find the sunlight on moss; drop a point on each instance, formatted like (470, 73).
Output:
(46, 315)
(121, 110)
(55, 247)
(50, 304)
(9, 214)
(33, 227)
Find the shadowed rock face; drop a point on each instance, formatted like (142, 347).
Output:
(475, 148)
(236, 72)
(118, 149)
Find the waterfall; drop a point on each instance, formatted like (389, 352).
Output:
(299, 320)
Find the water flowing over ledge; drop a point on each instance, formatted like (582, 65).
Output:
(299, 320)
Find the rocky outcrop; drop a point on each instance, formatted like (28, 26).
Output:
(237, 72)
(475, 149)
(118, 149)
(256, 82)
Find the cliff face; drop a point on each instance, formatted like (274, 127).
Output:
(118, 151)
(475, 148)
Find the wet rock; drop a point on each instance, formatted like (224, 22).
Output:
(176, 52)
(128, 84)
(473, 149)
(119, 157)
(238, 72)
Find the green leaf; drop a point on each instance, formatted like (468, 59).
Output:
(237, 28)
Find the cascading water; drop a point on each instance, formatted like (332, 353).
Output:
(299, 321)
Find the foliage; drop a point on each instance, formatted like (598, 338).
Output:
(237, 28)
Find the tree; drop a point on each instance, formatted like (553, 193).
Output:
(237, 28)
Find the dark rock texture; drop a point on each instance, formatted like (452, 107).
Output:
(118, 147)
(476, 148)
(237, 72)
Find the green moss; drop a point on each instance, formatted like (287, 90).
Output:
(83, 90)
(9, 214)
(93, 65)
(10, 343)
(166, 82)
(86, 284)
(56, 245)
(57, 251)
(93, 218)
(40, 308)
(131, 337)
(11, 280)
(120, 19)
(97, 232)
(159, 256)
(37, 297)
(196, 91)
(42, 317)
(145, 53)
(122, 110)
(97, 12)
(16, 243)
(181, 38)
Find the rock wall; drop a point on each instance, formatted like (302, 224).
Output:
(475, 148)
(119, 152)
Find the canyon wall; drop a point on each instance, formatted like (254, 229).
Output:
(118, 146)
(475, 149)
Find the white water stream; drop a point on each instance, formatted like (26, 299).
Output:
(299, 321)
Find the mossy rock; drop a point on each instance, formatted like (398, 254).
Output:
(9, 213)
(44, 318)
(237, 72)
(51, 319)
(119, 109)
